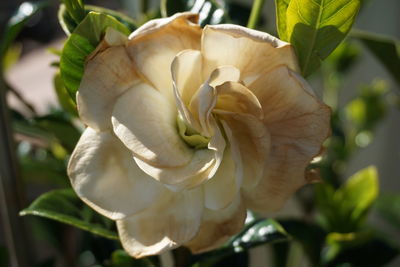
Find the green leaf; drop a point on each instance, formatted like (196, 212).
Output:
(120, 258)
(16, 23)
(81, 43)
(65, 206)
(210, 12)
(345, 209)
(281, 7)
(75, 9)
(68, 24)
(388, 206)
(63, 96)
(385, 49)
(316, 28)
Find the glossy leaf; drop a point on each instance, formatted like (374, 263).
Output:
(65, 206)
(316, 28)
(68, 24)
(81, 43)
(210, 11)
(385, 49)
(281, 8)
(16, 23)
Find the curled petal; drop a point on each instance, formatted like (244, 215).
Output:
(146, 123)
(298, 123)
(224, 74)
(167, 224)
(154, 45)
(218, 226)
(108, 74)
(100, 163)
(252, 52)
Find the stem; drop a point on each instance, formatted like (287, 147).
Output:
(20, 98)
(255, 13)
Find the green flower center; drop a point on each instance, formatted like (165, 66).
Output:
(190, 136)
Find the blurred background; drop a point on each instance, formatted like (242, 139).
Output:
(30, 69)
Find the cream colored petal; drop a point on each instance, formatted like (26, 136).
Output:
(105, 176)
(201, 106)
(108, 74)
(154, 45)
(298, 123)
(168, 224)
(224, 74)
(235, 97)
(222, 188)
(185, 70)
(146, 123)
(187, 176)
(248, 50)
(218, 226)
(250, 143)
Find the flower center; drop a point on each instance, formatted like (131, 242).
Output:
(190, 136)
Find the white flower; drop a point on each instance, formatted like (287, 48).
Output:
(189, 127)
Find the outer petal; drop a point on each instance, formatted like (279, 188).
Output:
(218, 226)
(146, 123)
(168, 224)
(298, 123)
(108, 73)
(104, 175)
(248, 50)
(154, 45)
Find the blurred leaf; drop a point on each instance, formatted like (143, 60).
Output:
(63, 96)
(120, 258)
(24, 12)
(11, 56)
(385, 49)
(345, 209)
(80, 44)
(281, 7)
(375, 252)
(388, 206)
(68, 24)
(210, 11)
(62, 129)
(316, 28)
(64, 205)
(344, 56)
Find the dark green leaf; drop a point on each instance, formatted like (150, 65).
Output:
(24, 12)
(388, 206)
(65, 206)
(281, 7)
(120, 258)
(210, 11)
(316, 28)
(385, 49)
(81, 43)
(75, 9)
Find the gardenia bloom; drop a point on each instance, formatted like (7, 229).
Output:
(188, 128)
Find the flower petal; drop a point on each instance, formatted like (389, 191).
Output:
(298, 123)
(108, 74)
(222, 188)
(235, 97)
(224, 74)
(248, 50)
(154, 45)
(250, 143)
(168, 224)
(218, 226)
(146, 123)
(104, 175)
